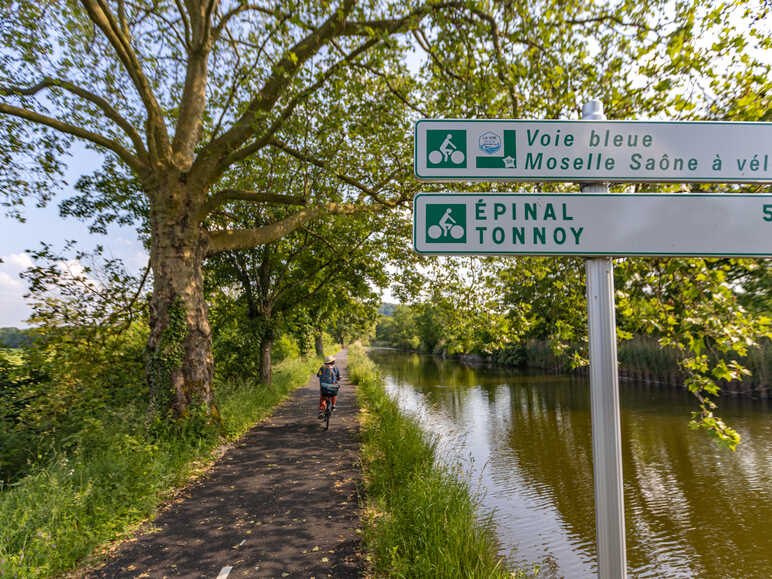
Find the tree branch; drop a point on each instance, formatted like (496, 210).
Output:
(226, 195)
(185, 24)
(122, 17)
(251, 149)
(606, 17)
(240, 9)
(100, 15)
(499, 58)
(136, 165)
(393, 25)
(192, 104)
(276, 83)
(370, 191)
(193, 100)
(129, 308)
(402, 98)
(106, 108)
(325, 241)
(247, 238)
(420, 37)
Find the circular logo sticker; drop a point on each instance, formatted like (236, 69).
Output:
(490, 142)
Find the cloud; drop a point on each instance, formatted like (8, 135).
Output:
(13, 309)
(20, 261)
(8, 284)
(73, 269)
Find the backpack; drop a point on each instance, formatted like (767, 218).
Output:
(328, 374)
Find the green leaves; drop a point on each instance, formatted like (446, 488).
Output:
(692, 306)
(718, 430)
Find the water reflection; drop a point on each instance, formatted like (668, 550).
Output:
(692, 509)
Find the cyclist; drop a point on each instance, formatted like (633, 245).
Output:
(446, 221)
(329, 383)
(447, 147)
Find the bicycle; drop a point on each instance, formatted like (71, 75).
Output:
(327, 401)
(447, 152)
(327, 412)
(456, 231)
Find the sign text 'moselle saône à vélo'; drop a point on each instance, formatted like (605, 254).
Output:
(621, 151)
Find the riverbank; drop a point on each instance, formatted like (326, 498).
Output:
(641, 361)
(420, 518)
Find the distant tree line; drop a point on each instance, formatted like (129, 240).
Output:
(15, 338)
(703, 324)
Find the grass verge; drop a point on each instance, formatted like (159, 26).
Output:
(420, 519)
(120, 472)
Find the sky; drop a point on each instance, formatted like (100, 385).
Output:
(45, 225)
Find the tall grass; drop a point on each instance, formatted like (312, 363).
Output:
(421, 520)
(118, 474)
(645, 354)
(644, 358)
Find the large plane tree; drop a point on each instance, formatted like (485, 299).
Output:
(175, 94)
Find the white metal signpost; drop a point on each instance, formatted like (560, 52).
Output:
(594, 151)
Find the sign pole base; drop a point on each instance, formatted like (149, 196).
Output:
(606, 429)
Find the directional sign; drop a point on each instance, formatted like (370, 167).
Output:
(594, 224)
(620, 151)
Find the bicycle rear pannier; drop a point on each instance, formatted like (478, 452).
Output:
(329, 389)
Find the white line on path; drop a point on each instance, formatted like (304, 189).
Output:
(224, 572)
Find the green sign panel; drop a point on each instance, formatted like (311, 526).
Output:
(445, 223)
(446, 149)
(714, 224)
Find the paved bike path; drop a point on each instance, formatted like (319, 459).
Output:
(281, 503)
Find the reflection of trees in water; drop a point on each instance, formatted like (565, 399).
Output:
(689, 506)
(714, 504)
(551, 438)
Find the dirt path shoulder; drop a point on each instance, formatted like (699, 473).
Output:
(281, 503)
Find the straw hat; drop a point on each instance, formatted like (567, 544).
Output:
(330, 360)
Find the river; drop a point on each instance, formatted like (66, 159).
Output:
(692, 509)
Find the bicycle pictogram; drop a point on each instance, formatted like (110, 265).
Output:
(446, 148)
(446, 223)
(447, 151)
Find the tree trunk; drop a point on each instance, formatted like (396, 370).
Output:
(179, 353)
(319, 344)
(266, 374)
